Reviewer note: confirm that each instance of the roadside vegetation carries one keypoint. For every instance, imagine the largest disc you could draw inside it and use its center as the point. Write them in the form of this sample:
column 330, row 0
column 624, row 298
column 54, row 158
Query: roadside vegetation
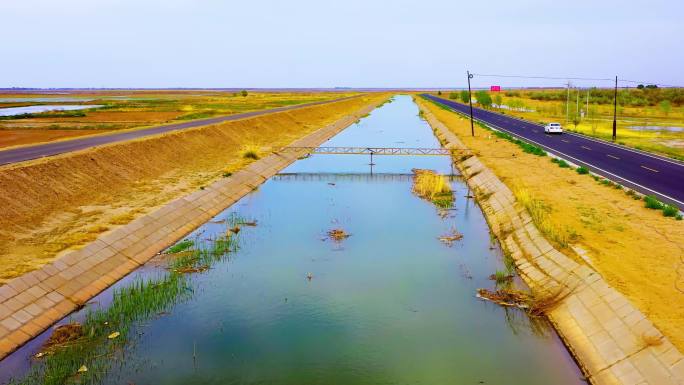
column 610, row 223
column 649, row 118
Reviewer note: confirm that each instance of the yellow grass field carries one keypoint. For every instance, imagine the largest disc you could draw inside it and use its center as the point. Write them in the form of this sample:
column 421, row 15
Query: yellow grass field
column 48, row 206
column 638, row 251
column 134, row 109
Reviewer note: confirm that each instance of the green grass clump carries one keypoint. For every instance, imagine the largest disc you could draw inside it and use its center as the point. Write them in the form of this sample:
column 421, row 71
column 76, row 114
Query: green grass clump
column 181, row 246
column 197, row 115
column 560, row 162
column 135, row 302
column 651, row 202
column 582, row 170
column 526, row 147
column 670, row 211
column 502, row 277
column 132, row 304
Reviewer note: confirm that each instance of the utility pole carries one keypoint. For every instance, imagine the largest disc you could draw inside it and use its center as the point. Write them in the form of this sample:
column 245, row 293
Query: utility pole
column 470, row 99
column 577, row 114
column 615, row 111
column 567, row 104
column 586, row 112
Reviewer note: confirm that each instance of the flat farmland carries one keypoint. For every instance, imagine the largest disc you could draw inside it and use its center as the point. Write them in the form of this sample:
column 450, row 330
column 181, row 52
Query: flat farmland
column 114, row 110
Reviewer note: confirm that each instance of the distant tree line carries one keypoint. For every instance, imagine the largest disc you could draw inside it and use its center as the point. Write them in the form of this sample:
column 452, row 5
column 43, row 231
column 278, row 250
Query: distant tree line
column 642, row 95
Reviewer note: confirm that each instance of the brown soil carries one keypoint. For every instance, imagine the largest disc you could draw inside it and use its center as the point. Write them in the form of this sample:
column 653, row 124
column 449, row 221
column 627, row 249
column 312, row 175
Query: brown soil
column 51, row 205
column 638, row 251
column 19, row 137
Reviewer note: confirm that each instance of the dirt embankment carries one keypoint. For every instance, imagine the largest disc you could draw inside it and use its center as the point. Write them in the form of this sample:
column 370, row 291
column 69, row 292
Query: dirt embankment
column 638, row 251
column 51, row 205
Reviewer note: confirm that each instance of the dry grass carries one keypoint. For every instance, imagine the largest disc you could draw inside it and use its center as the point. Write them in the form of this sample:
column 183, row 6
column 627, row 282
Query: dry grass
column 561, row 235
column 250, row 151
column 434, row 187
column 652, row 339
column 542, row 302
column 637, row 251
column 48, row 206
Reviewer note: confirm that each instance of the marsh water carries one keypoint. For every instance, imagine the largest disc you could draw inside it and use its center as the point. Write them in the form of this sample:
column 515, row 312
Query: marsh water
column 12, row 111
column 390, row 304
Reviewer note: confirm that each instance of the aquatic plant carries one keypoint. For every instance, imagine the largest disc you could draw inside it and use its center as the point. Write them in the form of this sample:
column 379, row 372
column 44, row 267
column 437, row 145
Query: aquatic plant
column 83, row 353
column 180, row 246
column 434, row 187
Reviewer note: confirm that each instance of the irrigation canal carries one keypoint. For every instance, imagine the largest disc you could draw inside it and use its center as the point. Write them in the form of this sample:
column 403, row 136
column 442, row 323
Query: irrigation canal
column 390, row 304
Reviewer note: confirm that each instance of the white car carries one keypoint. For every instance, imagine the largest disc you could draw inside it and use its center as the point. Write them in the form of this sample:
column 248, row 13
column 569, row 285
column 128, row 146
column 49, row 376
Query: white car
column 553, row 128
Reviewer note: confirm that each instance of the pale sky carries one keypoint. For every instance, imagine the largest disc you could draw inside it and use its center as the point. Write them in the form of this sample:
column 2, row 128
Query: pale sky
column 349, row 43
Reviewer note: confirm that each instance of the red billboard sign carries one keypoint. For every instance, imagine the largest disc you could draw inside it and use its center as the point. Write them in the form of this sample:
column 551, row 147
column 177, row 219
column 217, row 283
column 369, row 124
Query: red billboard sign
column 495, row 88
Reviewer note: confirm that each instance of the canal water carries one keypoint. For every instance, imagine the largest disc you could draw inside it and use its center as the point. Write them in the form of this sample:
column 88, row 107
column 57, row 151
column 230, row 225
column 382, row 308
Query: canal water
column 390, row 304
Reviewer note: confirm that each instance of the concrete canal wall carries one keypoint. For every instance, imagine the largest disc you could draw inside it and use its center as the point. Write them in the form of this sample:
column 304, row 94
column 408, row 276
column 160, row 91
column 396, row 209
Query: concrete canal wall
column 602, row 329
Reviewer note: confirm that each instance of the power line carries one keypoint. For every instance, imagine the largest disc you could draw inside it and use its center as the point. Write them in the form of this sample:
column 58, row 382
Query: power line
column 541, row 77
column 576, row 78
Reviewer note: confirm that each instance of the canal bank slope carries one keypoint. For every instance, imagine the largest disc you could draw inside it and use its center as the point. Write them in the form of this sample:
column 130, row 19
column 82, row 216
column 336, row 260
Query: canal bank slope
column 50, row 206
column 612, row 340
column 31, row 303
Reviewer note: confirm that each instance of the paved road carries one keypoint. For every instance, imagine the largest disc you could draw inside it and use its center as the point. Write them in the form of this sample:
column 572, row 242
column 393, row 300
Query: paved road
column 21, row 154
column 646, row 173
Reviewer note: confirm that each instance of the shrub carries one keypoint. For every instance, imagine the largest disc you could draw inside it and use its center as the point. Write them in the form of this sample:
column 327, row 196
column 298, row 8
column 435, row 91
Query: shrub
column 670, row 211
column 243, row 93
column 465, row 96
column 582, row 170
column 453, row 96
column 653, row 203
column 483, row 99
column 560, row 162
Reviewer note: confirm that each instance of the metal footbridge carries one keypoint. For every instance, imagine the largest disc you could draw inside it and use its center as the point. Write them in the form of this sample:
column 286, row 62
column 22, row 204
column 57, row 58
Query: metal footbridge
column 406, row 151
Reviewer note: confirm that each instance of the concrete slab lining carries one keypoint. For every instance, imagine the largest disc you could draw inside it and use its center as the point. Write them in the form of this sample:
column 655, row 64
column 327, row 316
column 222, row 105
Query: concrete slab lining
column 601, row 328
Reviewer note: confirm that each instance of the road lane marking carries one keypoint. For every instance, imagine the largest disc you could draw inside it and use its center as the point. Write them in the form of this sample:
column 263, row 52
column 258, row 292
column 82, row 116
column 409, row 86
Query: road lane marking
column 649, row 169
column 566, row 141
column 586, row 148
column 612, row 156
column 535, row 131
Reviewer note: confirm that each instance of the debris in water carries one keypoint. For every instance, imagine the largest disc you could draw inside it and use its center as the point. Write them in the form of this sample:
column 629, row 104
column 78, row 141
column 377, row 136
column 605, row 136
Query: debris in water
column 218, row 222
column 83, row 369
column 331, row 183
column 235, row 230
column 509, row 297
column 39, row 355
column 64, row 334
column 338, row 235
column 113, row 335
column 192, row 269
column 309, row 276
column 449, row 239
column 501, row 278
column 250, row 224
